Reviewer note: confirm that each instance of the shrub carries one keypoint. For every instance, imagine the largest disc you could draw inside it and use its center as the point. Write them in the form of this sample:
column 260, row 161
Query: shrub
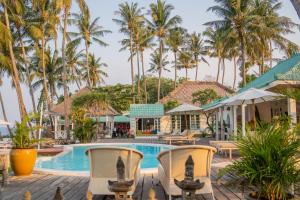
column 268, row 161
column 85, row 131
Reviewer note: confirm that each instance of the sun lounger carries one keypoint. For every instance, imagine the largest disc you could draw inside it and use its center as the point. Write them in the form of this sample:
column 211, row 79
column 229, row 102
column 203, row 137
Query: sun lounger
column 103, row 162
column 172, row 166
column 187, row 138
column 224, row 146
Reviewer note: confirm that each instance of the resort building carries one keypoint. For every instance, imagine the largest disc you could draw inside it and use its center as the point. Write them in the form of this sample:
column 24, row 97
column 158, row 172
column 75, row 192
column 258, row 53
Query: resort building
column 188, row 114
column 282, row 77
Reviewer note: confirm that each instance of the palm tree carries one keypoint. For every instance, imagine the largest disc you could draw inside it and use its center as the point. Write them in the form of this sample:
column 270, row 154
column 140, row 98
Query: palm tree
column 42, row 28
column 130, row 16
column 215, row 45
column 89, row 31
column 157, row 65
column 95, row 73
column 7, row 40
column 161, row 23
column 145, row 42
column 237, row 16
column 197, row 48
column 175, row 40
column 186, row 61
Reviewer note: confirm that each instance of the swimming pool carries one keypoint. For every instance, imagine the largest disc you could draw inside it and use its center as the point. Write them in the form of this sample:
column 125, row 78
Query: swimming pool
column 76, row 160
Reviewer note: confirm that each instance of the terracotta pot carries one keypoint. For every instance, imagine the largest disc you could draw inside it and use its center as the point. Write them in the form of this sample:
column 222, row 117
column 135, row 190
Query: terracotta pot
column 22, row 161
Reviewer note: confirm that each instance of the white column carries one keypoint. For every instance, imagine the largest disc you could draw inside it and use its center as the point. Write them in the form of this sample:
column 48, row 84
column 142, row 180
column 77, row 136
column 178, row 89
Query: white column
column 243, row 106
column 222, row 124
column 217, row 125
column 292, row 109
column 234, row 121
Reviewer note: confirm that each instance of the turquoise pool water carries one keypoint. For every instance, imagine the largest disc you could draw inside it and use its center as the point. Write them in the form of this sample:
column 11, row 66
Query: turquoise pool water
column 76, row 159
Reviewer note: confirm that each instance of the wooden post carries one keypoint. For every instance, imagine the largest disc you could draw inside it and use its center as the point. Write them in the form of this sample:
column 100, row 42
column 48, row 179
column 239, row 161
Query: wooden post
column 120, row 187
column 235, row 121
column 243, row 120
column 58, row 194
column 27, row 196
column 189, row 186
column 292, row 109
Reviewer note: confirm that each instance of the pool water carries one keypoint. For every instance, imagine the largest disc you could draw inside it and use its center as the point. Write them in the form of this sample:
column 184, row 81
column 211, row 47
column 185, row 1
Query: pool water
column 77, row 160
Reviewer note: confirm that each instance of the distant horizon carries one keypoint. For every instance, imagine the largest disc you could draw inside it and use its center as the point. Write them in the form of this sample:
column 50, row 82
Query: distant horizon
column 194, row 15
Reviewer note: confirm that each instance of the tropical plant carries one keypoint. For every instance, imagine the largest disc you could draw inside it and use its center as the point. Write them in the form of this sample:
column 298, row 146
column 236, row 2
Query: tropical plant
column 175, row 40
column 204, row 97
column 85, row 130
column 195, row 44
column 22, row 139
column 268, row 161
column 157, row 65
column 89, row 31
column 130, row 16
column 186, row 61
column 161, row 22
column 171, row 104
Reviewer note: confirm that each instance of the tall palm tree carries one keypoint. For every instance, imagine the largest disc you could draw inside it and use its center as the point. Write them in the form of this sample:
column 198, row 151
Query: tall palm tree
column 145, row 42
column 96, row 73
column 157, row 65
column 89, row 32
column 161, row 22
column 215, row 45
column 196, row 47
column 236, row 15
column 7, row 40
column 42, row 28
column 186, row 61
column 130, row 15
column 175, row 40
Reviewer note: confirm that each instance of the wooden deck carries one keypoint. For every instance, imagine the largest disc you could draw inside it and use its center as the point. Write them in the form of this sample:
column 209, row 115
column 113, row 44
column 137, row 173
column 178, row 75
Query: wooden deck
column 43, row 187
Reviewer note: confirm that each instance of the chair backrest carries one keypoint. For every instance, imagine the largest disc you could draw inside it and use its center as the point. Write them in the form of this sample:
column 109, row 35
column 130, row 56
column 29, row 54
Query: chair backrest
column 175, row 159
column 103, row 161
column 215, row 143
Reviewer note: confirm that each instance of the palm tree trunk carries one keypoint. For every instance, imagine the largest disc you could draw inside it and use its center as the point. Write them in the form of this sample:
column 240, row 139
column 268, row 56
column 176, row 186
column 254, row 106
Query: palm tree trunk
column 243, row 58
column 15, row 73
column 223, row 66
column 4, row 115
column 139, row 73
column 234, row 79
column 186, row 73
column 262, row 64
column 87, row 64
column 271, row 59
column 218, row 73
column 66, row 95
column 196, row 76
column 132, row 68
column 24, row 55
column 175, row 69
column 44, row 72
column 160, row 68
column 144, row 77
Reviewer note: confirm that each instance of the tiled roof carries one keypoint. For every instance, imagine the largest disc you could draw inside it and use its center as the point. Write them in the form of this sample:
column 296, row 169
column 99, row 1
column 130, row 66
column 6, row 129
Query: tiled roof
column 146, row 110
column 183, row 93
column 285, row 70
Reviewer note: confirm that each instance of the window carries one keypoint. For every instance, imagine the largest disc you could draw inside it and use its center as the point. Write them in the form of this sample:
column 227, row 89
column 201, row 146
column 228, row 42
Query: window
column 195, row 122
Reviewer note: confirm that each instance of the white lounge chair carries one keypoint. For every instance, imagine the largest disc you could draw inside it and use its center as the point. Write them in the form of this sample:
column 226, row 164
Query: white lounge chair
column 172, row 166
column 103, row 162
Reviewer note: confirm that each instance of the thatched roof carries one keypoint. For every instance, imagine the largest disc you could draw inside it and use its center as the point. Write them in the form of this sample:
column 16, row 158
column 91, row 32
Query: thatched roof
column 183, row 93
column 59, row 109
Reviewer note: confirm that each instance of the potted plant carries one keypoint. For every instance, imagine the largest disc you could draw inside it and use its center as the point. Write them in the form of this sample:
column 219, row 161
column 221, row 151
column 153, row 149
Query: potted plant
column 23, row 155
column 268, row 162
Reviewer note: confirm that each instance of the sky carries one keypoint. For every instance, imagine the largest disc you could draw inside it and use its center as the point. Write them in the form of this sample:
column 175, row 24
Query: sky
column 193, row 13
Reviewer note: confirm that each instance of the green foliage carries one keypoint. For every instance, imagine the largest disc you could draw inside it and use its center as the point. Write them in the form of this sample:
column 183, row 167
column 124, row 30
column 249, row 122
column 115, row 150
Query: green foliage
column 268, row 160
column 293, row 93
column 118, row 96
column 171, row 104
column 21, row 139
column 91, row 99
column 204, row 96
column 85, row 130
column 167, row 85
